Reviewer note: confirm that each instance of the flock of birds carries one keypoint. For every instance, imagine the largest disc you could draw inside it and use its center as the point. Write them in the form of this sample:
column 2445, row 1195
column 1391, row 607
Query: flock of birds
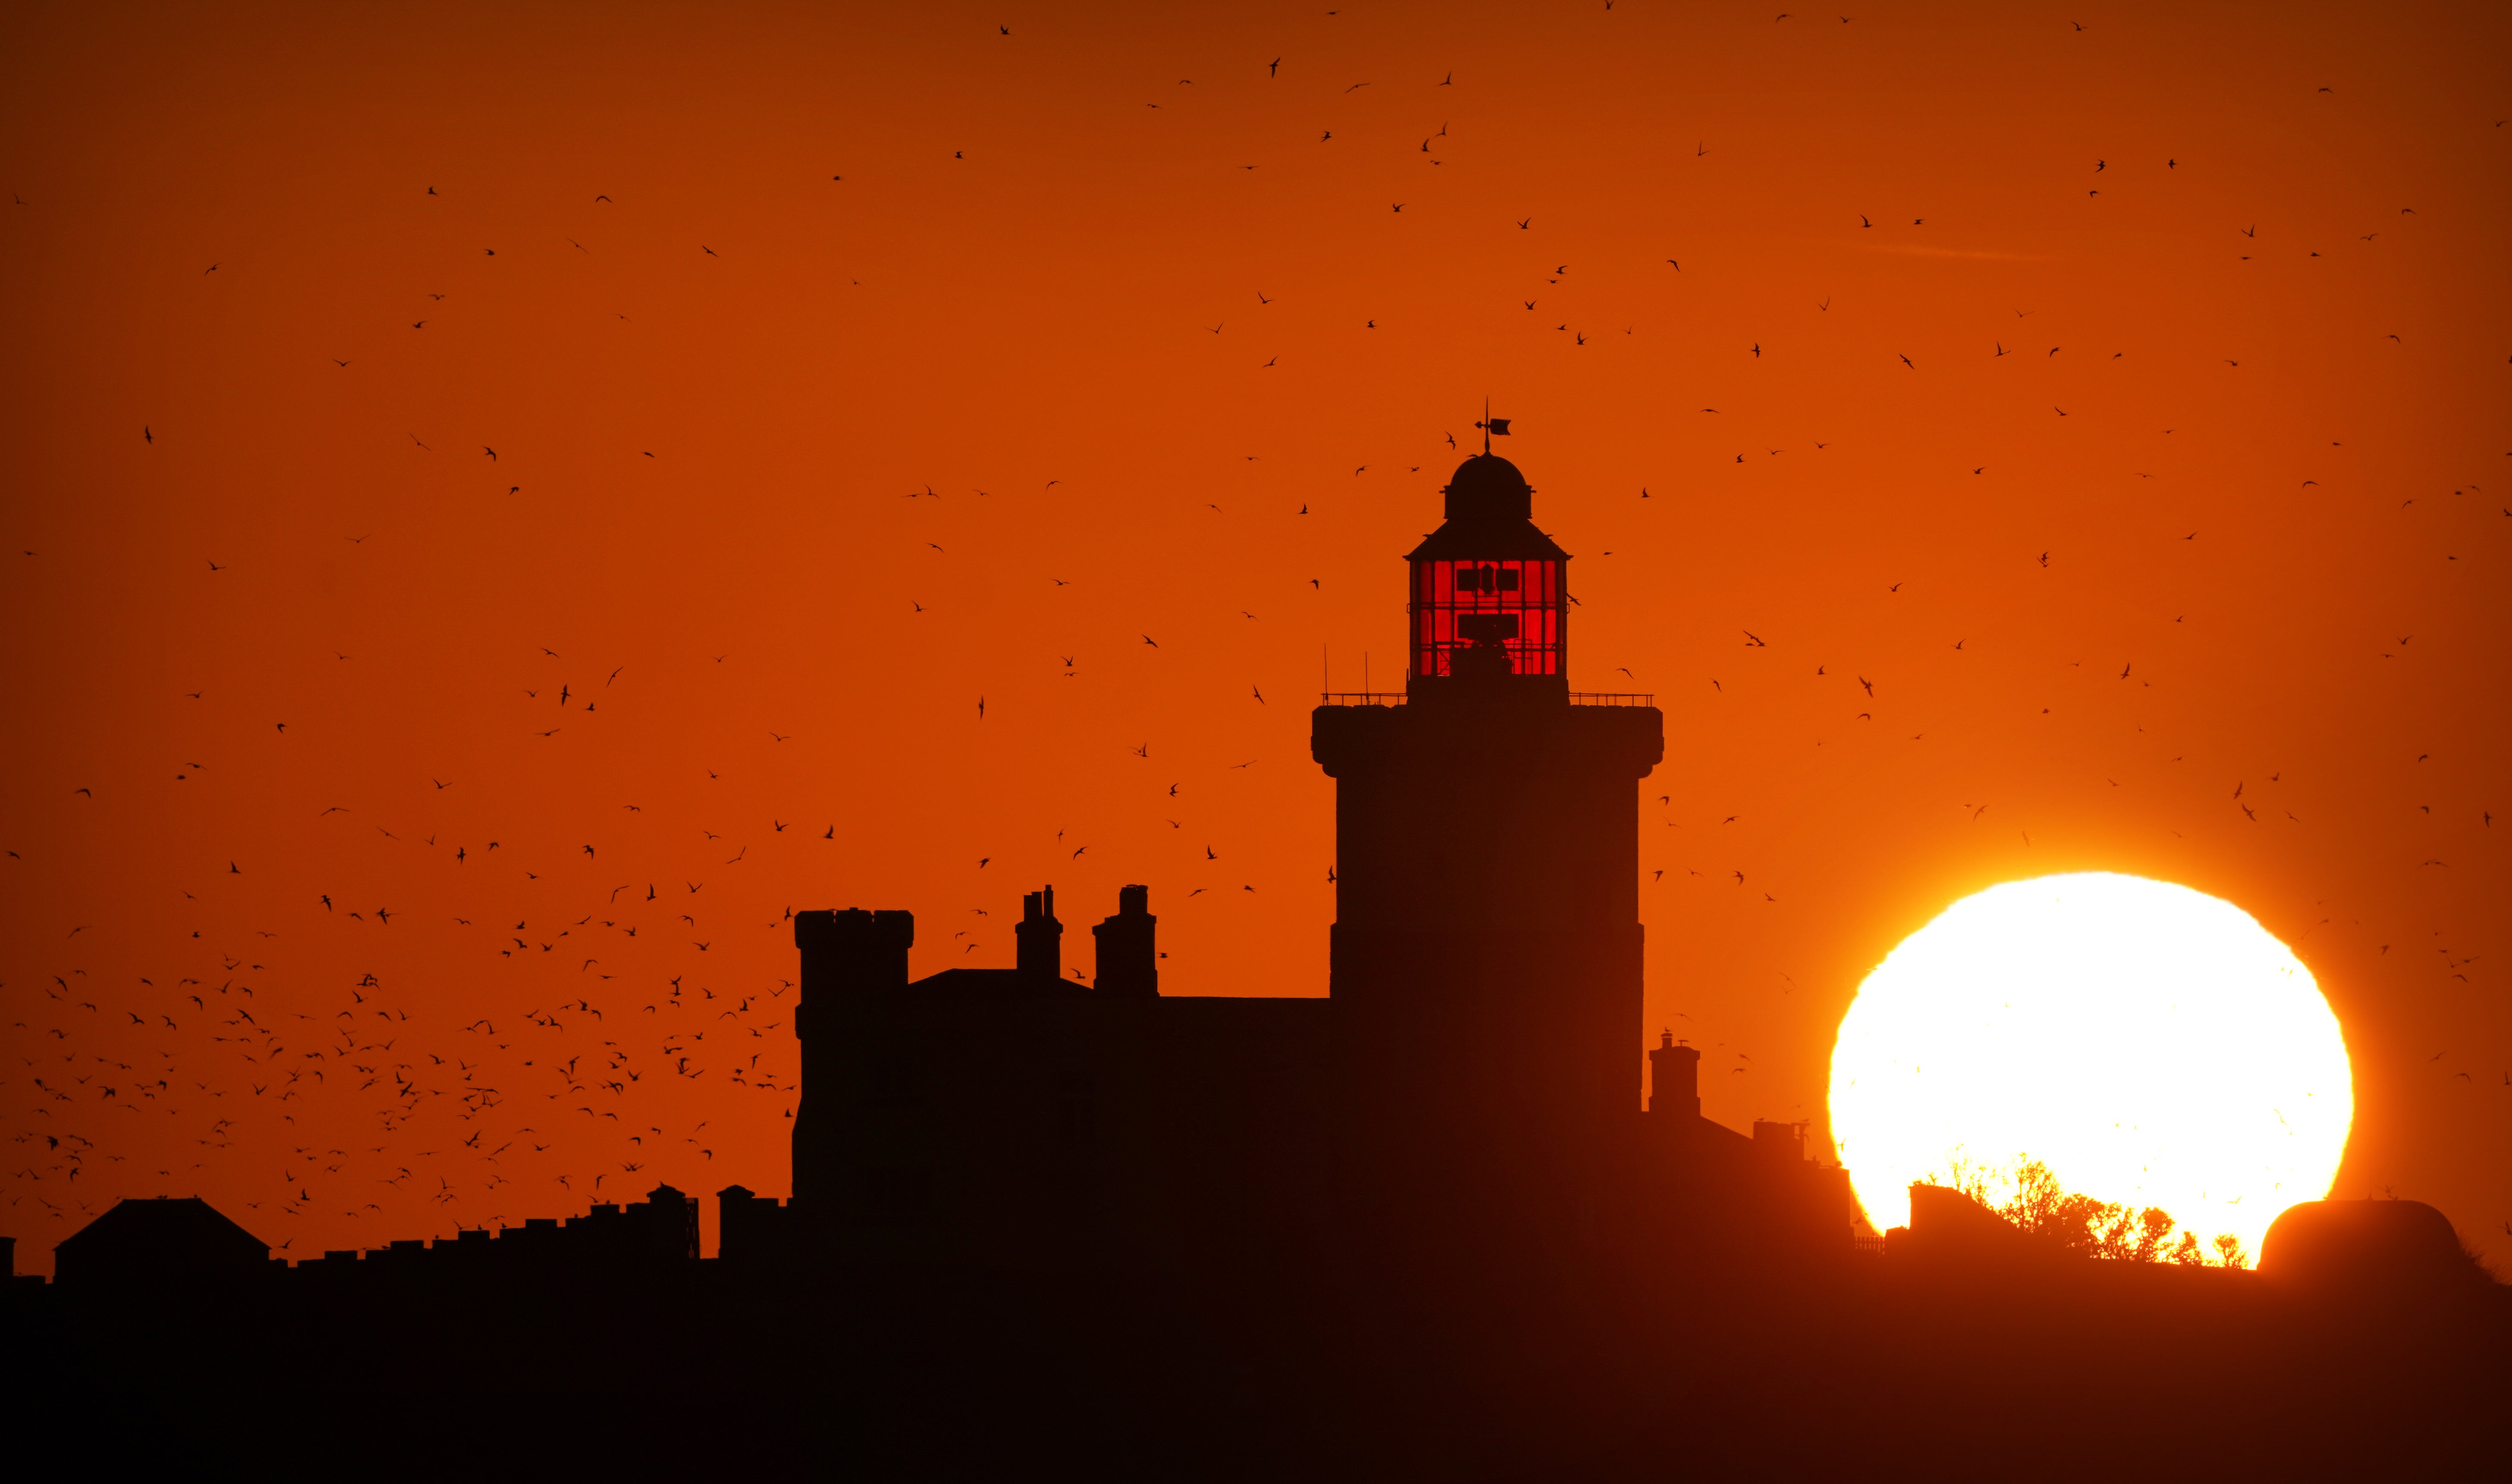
column 367, row 1098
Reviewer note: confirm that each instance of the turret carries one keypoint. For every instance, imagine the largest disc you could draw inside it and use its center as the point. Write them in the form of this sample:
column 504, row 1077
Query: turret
column 852, row 961
column 850, row 952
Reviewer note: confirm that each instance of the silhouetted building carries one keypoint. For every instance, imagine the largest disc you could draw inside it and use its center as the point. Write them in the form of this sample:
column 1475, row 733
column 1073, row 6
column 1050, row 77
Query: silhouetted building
column 1019, row 1117
column 753, row 1228
column 1950, row 1229
column 1471, row 1079
column 2372, row 1247
column 165, row 1242
column 159, row 1243
column 661, row 1228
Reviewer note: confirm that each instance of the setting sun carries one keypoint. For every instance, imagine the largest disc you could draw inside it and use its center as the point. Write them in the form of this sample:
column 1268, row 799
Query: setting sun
column 2152, row 1045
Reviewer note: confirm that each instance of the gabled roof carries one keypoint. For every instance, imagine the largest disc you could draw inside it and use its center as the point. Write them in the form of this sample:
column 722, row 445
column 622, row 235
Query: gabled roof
column 170, row 1231
column 997, row 984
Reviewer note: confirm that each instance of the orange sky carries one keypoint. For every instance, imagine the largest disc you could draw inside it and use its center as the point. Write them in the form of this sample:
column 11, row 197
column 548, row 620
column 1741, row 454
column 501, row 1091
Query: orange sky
column 1104, row 289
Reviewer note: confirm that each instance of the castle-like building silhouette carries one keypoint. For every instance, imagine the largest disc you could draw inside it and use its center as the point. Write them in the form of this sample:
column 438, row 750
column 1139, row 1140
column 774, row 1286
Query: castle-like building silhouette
column 1471, row 1080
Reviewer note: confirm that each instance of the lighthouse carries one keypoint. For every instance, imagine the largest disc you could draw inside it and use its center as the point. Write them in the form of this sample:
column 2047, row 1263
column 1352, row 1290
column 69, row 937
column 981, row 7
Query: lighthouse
column 1486, row 956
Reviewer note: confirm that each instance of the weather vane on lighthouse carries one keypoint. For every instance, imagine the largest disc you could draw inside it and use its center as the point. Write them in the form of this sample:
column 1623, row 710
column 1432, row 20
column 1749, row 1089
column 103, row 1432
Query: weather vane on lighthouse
column 1491, row 426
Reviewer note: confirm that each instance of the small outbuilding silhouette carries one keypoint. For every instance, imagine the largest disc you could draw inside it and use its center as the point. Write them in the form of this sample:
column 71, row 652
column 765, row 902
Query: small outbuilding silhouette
column 150, row 1243
column 2367, row 1245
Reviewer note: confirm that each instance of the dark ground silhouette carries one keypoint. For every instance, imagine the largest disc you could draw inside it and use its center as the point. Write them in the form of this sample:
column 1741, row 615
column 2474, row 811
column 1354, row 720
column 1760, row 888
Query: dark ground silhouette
column 1705, row 1363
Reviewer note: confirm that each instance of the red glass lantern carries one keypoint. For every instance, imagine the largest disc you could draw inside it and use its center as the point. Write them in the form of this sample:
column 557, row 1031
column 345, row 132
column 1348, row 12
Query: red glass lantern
column 1490, row 600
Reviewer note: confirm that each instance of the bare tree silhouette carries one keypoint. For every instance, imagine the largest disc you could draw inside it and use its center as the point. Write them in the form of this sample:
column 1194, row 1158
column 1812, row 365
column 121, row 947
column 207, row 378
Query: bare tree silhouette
column 2033, row 1200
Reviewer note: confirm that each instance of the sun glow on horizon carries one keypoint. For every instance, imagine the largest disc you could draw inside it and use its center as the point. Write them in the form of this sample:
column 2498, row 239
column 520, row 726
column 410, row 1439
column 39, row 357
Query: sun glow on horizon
column 2152, row 1045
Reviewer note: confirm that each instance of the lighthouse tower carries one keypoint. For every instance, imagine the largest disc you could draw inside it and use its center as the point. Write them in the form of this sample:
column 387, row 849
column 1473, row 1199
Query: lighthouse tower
column 1486, row 952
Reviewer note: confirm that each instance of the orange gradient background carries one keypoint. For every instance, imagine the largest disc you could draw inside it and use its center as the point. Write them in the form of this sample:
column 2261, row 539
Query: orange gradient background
column 2206, row 529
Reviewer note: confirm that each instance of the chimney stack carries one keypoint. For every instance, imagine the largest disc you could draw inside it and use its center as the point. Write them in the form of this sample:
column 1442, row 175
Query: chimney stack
column 1040, row 937
column 1129, row 957
column 1674, row 1078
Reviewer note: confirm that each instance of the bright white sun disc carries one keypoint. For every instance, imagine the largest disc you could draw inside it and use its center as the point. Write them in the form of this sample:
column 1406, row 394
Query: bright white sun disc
column 2152, row 1045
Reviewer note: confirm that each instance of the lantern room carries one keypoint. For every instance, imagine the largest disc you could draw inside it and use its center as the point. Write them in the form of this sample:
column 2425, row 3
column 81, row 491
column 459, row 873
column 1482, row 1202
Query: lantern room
column 1489, row 601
